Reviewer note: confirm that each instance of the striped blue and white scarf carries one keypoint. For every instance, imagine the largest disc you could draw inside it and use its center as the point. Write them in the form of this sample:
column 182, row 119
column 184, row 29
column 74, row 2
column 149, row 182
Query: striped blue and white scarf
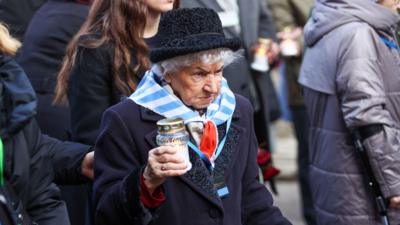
column 151, row 95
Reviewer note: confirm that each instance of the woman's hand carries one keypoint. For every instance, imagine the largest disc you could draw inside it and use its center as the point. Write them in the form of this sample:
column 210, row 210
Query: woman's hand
column 163, row 162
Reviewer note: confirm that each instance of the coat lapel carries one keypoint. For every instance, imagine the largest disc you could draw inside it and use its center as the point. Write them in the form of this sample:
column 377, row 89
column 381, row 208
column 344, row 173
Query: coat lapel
column 224, row 163
column 199, row 178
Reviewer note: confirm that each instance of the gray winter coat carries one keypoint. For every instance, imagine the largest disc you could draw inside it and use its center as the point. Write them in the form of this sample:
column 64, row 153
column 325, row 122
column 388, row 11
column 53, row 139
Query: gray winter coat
column 351, row 79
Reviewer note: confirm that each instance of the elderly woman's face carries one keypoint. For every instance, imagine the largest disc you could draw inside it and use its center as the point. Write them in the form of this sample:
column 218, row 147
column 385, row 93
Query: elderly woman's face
column 198, row 85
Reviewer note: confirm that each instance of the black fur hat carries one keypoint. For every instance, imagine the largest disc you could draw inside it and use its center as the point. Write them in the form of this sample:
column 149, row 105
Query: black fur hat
column 185, row 31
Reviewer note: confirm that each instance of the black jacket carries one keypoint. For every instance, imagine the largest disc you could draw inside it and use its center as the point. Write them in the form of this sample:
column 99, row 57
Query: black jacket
column 33, row 160
column 91, row 88
column 91, row 91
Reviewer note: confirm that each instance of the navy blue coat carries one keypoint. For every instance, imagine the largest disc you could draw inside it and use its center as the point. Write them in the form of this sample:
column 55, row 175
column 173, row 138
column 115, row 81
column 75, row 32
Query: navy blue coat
column 128, row 132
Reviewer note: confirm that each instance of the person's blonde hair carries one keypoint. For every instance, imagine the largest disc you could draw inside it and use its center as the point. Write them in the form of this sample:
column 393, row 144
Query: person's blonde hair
column 8, row 44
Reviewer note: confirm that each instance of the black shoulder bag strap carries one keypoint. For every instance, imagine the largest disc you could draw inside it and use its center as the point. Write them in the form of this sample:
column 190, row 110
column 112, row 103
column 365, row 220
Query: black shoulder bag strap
column 358, row 135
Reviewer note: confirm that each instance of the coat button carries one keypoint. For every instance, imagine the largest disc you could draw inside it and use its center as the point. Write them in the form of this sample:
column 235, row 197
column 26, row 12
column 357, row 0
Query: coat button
column 213, row 213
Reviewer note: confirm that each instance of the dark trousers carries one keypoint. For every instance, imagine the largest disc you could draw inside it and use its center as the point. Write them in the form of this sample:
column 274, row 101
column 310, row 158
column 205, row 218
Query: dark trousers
column 300, row 122
column 77, row 199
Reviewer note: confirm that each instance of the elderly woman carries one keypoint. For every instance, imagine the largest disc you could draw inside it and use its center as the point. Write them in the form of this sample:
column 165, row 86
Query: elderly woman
column 140, row 183
column 351, row 77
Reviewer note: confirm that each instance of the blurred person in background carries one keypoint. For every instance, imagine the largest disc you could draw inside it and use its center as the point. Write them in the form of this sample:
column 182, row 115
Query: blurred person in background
column 41, row 55
column 140, row 183
column 16, row 14
column 290, row 16
column 249, row 20
column 350, row 75
column 31, row 161
column 106, row 59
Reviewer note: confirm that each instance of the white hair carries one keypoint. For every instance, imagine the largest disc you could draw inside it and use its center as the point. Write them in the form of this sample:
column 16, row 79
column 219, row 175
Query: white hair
column 225, row 55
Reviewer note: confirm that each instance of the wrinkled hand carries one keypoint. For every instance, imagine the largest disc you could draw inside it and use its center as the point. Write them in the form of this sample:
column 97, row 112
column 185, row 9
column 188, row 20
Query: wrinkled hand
column 87, row 165
column 394, row 202
column 163, row 162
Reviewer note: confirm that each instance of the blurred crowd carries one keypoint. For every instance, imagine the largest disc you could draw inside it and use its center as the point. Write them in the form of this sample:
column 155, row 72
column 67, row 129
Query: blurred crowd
column 67, row 67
